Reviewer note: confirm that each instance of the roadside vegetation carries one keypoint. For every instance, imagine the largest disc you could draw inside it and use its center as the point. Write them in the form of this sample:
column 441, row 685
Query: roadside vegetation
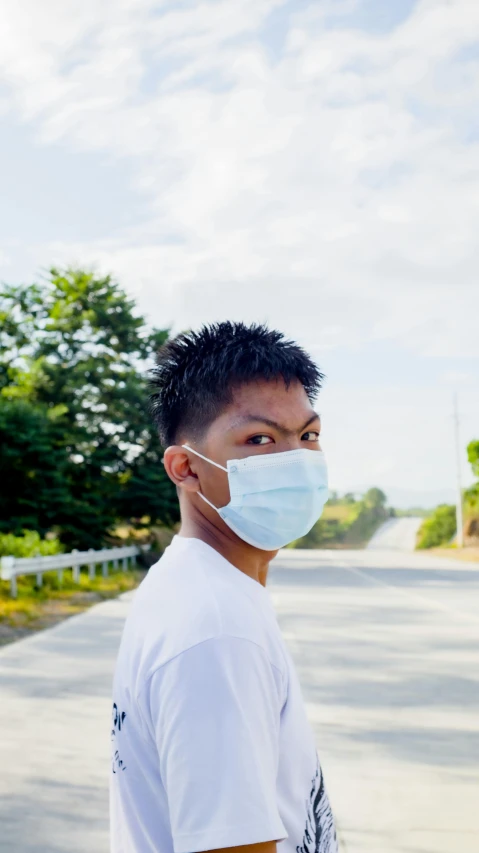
column 347, row 521
column 416, row 511
column 59, row 596
column 439, row 529
column 37, row 608
column 29, row 544
column 78, row 450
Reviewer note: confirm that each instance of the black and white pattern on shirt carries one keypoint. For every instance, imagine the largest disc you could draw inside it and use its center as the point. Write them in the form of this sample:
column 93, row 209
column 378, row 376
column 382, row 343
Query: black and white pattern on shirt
column 118, row 718
column 319, row 834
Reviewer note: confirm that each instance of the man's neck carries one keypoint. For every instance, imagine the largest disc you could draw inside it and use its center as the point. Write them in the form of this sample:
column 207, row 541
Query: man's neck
column 252, row 561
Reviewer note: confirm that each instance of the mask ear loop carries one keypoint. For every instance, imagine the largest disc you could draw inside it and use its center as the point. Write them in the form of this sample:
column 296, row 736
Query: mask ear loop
column 187, row 447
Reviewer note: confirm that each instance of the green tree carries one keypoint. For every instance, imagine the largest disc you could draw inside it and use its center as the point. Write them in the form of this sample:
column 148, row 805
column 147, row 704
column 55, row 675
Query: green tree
column 471, row 495
column 439, row 528
column 372, row 513
column 77, row 347
column 375, row 498
column 471, row 500
column 473, row 456
column 353, row 527
column 34, row 468
column 147, row 490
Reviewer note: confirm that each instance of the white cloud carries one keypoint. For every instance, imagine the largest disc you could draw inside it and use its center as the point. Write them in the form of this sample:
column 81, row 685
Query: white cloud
column 342, row 171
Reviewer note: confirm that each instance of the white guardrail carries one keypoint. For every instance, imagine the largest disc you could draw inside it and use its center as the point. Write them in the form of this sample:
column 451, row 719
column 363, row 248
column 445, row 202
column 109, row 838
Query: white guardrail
column 12, row 567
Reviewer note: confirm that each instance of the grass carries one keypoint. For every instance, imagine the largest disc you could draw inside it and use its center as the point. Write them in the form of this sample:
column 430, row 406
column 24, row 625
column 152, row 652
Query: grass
column 38, row 608
column 343, row 513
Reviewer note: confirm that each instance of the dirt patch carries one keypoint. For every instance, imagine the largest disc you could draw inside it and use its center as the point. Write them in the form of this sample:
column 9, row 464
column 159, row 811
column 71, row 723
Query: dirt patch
column 50, row 613
column 470, row 555
column 9, row 633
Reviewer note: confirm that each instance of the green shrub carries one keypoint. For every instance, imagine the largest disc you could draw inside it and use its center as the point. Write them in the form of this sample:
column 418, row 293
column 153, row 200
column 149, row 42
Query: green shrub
column 439, row 528
column 471, row 501
column 28, row 545
column 347, row 521
column 326, row 532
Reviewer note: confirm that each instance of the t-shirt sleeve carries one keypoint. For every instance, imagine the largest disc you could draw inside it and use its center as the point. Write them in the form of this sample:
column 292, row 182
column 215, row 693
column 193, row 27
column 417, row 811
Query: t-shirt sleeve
column 215, row 714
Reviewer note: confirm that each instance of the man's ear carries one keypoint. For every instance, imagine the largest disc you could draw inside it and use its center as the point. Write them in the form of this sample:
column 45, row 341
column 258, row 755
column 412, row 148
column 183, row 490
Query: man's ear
column 177, row 466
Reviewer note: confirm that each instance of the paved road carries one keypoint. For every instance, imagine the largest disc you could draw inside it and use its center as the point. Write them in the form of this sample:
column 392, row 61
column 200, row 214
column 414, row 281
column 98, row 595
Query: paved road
column 387, row 648
column 396, row 534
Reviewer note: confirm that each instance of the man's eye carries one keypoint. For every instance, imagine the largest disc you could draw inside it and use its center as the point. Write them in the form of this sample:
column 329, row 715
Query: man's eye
column 260, row 439
column 312, row 435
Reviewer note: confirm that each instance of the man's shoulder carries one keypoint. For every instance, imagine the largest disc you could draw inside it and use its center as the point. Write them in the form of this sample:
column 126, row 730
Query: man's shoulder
column 172, row 610
column 181, row 604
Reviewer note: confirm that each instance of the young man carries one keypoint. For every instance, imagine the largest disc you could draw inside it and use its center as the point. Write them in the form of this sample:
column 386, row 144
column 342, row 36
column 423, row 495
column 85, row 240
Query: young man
column 211, row 745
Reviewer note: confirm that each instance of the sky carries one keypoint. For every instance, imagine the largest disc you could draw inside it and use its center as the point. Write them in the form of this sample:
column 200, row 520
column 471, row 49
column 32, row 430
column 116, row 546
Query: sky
column 313, row 165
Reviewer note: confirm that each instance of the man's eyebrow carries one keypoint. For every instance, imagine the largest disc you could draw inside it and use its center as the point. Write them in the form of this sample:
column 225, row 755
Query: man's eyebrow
column 314, row 417
column 260, row 419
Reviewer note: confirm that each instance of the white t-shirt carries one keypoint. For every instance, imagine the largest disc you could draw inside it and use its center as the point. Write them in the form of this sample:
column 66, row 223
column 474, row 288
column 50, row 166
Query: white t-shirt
column 211, row 746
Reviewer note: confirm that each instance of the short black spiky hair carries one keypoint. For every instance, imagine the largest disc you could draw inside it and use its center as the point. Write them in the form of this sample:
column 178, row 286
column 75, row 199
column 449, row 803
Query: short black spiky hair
column 196, row 373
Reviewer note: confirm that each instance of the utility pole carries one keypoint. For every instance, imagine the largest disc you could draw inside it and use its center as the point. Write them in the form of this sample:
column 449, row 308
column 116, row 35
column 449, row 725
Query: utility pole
column 459, row 518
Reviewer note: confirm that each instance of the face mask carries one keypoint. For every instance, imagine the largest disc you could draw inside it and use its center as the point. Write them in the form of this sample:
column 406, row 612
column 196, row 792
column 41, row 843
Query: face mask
column 275, row 498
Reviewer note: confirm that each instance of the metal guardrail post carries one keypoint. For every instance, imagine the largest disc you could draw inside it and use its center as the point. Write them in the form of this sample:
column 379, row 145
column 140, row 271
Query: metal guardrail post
column 7, row 568
column 39, row 579
column 104, row 568
column 75, row 569
column 91, row 568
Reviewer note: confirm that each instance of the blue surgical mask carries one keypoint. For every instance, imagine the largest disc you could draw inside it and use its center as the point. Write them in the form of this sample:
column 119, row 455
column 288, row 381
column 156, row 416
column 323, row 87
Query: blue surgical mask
column 275, row 497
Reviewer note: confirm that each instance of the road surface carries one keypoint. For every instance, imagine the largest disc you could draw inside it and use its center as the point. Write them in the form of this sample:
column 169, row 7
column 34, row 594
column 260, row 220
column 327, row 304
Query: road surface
column 396, row 534
column 387, row 649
